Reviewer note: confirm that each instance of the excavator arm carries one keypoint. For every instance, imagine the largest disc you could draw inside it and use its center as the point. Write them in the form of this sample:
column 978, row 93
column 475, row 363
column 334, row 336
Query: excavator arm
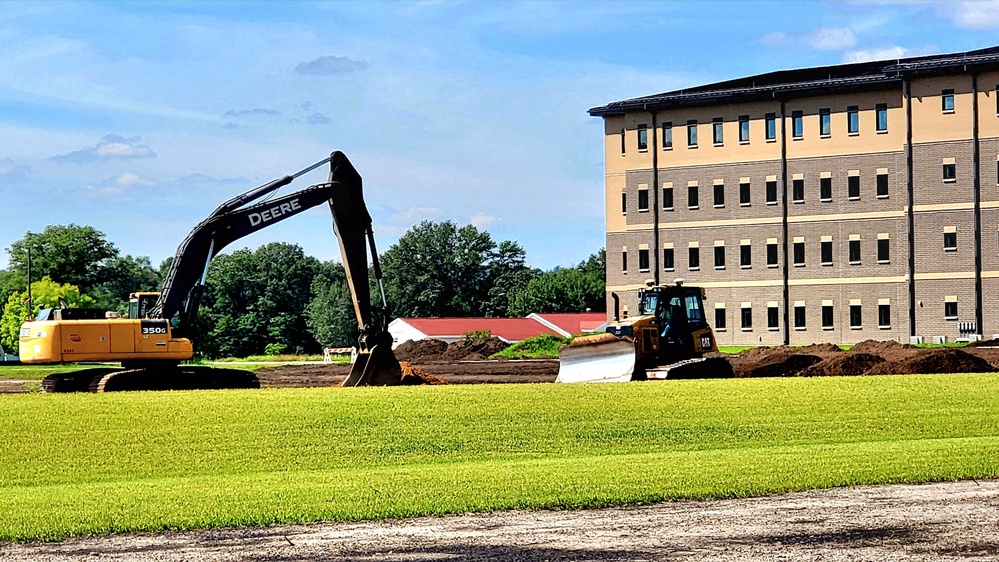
column 181, row 293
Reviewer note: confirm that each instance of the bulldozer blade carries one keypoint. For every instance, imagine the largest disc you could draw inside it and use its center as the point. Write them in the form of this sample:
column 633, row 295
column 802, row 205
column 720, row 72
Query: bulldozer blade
column 377, row 367
column 605, row 360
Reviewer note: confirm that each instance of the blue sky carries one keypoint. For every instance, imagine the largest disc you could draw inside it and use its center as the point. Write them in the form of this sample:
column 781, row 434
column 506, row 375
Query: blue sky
column 139, row 118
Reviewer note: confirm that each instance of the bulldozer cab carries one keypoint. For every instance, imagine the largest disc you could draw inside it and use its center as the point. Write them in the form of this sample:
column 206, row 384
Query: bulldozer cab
column 678, row 312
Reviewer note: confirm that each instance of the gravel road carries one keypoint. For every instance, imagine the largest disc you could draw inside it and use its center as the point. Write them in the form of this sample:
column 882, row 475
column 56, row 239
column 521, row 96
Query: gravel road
column 939, row 522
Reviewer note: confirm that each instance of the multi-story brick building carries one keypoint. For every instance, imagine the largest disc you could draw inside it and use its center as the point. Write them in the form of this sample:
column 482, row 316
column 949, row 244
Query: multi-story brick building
column 839, row 203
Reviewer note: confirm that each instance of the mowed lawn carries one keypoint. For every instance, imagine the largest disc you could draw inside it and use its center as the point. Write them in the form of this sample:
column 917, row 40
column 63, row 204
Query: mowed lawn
column 82, row 464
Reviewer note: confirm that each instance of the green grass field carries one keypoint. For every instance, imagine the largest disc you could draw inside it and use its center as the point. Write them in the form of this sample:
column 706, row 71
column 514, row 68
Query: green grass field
column 83, row 464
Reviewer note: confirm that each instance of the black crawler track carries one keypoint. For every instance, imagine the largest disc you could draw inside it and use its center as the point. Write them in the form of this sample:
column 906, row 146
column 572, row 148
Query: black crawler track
column 149, row 378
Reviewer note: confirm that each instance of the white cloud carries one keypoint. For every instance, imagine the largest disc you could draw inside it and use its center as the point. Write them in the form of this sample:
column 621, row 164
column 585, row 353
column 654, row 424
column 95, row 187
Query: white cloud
column 12, row 172
column 330, row 65
column 832, row 38
column 888, row 53
column 776, row 39
column 111, row 147
column 120, row 183
column 416, row 215
column 982, row 14
column 483, row 221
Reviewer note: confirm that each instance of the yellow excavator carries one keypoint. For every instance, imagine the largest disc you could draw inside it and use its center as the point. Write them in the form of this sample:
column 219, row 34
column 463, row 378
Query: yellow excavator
column 159, row 333
column 667, row 340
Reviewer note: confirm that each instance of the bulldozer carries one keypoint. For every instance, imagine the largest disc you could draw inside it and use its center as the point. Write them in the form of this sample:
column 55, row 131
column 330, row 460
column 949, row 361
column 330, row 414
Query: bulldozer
column 666, row 340
column 158, row 335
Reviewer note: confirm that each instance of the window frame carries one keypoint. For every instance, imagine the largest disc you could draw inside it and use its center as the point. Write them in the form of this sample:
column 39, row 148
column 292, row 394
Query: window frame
column 825, row 189
column 949, row 173
column 884, row 316
column 718, row 195
column 693, row 258
column 825, row 123
column 669, row 259
column 950, row 241
column 947, row 101
column 853, row 120
column 746, row 318
column 643, row 193
column 643, row 256
column 773, row 318
column 830, row 322
column 624, row 261
column 624, row 202
column 743, row 129
column 853, row 252
column 881, row 182
column 745, row 256
column 798, row 251
column 720, row 320
column 856, row 313
column 881, row 118
column 950, row 310
column 770, row 127
column 773, row 252
column 624, row 148
column 826, row 252
column 693, row 199
column 800, row 316
column 718, row 131
column 642, row 140
column 884, row 250
column 769, row 185
column 745, row 194
column 667, row 135
column 719, row 257
column 797, row 125
column 692, row 133
column 798, row 190
column 667, row 198
column 850, row 181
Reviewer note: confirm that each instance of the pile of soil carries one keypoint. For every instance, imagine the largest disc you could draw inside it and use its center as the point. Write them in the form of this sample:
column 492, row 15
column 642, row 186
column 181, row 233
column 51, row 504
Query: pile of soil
column 941, row 360
column 430, row 350
column 865, row 358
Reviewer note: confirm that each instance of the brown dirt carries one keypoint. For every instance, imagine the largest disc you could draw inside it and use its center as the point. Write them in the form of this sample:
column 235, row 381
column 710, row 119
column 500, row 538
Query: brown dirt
column 942, row 360
column 430, row 350
column 491, row 372
column 413, row 375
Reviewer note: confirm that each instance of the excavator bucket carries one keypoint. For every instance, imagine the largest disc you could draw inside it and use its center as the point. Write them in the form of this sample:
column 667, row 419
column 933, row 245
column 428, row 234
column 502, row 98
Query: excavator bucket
column 377, row 367
column 601, row 358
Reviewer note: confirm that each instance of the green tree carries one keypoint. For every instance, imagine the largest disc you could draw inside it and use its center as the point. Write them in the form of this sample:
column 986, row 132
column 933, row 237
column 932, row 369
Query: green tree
column 259, row 298
column 560, row 290
column 438, row 269
column 45, row 293
column 509, row 275
column 330, row 314
column 66, row 253
column 595, row 265
column 124, row 275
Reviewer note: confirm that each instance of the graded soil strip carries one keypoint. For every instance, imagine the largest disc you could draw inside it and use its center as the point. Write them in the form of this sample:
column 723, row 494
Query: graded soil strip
column 938, row 522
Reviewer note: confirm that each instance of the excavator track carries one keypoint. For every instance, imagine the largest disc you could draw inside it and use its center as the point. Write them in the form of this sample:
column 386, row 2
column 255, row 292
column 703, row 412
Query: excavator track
column 150, row 378
column 697, row 368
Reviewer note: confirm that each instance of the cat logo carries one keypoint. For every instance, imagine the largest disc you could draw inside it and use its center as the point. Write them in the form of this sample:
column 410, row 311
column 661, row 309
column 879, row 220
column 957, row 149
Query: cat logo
column 75, row 337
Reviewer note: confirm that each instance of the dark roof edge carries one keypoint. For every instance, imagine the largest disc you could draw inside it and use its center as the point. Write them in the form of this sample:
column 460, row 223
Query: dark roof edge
column 867, row 76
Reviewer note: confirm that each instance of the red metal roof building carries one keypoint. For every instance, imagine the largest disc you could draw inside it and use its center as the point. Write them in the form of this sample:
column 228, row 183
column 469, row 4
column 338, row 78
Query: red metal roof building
column 510, row 330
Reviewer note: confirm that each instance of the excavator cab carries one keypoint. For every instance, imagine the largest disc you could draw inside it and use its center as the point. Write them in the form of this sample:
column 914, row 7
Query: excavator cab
column 141, row 304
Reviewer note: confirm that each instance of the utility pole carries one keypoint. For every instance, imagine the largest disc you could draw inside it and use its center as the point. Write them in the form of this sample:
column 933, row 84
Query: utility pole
column 30, row 307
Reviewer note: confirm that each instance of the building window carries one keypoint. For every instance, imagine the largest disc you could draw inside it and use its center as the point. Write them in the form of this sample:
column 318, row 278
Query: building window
column 856, row 317
column 692, row 133
column 693, row 258
column 826, row 252
column 854, row 252
column 852, row 120
column 827, row 317
column 772, row 192
column 825, row 126
column 947, row 101
column 624, row 262
column 668, row 264
column 853, row 187
column 825, row 189
column 745, row 256
column 643, row 260
column 773, row 318
column 744, row 194
column 743, row 128
column 691, row 196
column 622, row 142
column 771, row 126
column 884, row 250
column 950, row 172
column 881, row 117
column 798, row 191
column 719, row 319
column 643, row 200
column 717, row 131
column 798, row 254
column 799, row 317
column 950, row 310
column 624, row 203
column 884, row 316
column 719, row 192
column 772, row 254
column 950, row 241
column 797, row 124
column 667, row 135
column 747, row 318
column 719, row 257
column 643, row 138
column 668, row 198
column 882, row 186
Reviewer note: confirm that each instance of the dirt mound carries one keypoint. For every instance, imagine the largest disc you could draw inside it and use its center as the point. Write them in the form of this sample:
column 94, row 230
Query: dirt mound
column 473, row 349
column 843, row 365
column 941, row 360
column 421, row 351
column 985, row 343
column 782, row 362
column 889, row 350
column 819, row 349
column 414, row 376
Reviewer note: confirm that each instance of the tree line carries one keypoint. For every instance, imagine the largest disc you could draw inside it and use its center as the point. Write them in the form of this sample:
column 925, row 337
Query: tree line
column 276, row 299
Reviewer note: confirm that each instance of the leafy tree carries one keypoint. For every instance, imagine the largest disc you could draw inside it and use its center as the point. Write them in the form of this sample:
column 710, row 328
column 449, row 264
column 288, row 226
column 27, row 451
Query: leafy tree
column 122, row 276
column 595, row 265
column 438, row 269
column 508, row 276
column 66, row 253
column 259, row 298
column 560, row 290
column 44, row 294
column 330, row 314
